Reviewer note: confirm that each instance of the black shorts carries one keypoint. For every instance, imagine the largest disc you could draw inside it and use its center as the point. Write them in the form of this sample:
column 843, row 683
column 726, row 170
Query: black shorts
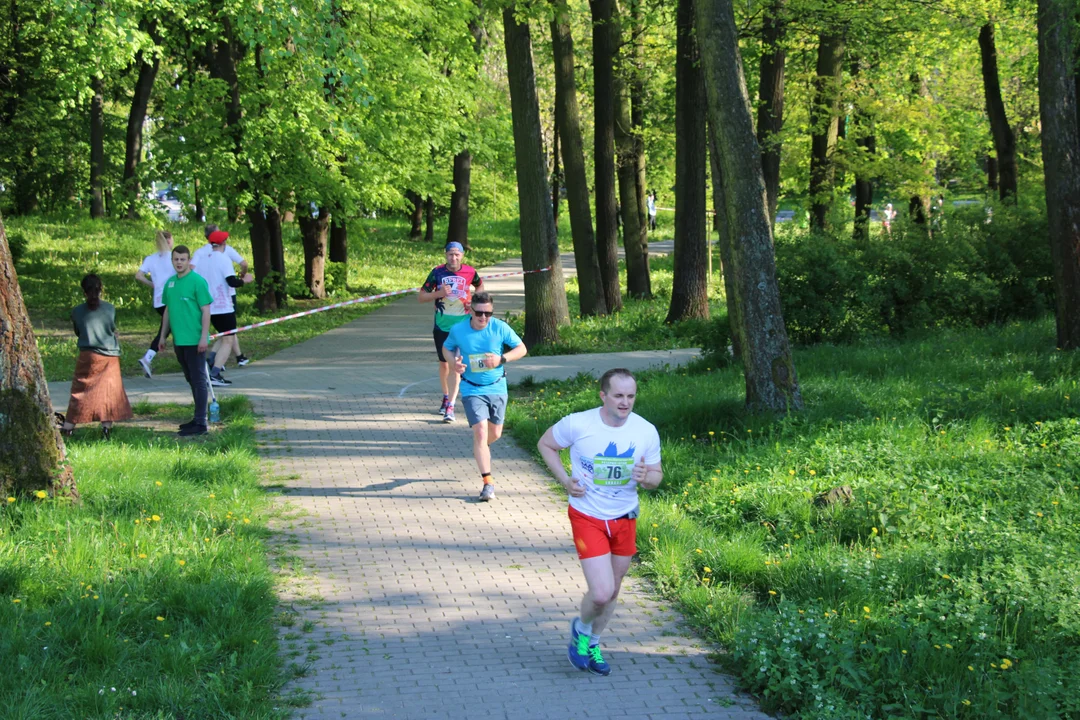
column 223, row 322
column 440, row 340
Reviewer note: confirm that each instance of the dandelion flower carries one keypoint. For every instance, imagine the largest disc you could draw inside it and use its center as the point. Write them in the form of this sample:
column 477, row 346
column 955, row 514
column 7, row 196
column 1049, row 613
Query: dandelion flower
column 48, row 623
column 142, row 556
column 158, row 483
column 155, row 518
column 865, row 609
column 11, row 499
column 16, row 601
column 813, row 472
column 707, row 569
column 41, row 494
column 948, row 646
column 946, row 577
column 181, row 562
column 790, row 472
column 971, row 668
column 903, row 652
column 966, row 701
column 711, row 432
column 160, row 619
column 772, row 592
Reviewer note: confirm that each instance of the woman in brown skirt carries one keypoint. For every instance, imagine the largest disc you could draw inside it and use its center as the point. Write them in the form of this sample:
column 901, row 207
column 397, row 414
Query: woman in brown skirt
column 97, row 390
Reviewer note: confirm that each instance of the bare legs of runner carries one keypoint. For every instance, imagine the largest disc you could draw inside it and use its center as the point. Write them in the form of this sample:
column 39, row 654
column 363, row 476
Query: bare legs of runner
column 604, row 575
column 484, row 433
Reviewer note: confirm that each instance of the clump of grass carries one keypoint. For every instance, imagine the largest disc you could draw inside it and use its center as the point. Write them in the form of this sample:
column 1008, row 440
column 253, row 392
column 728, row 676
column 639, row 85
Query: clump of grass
column 949, row 586
column 59, row 252
column 154, row 594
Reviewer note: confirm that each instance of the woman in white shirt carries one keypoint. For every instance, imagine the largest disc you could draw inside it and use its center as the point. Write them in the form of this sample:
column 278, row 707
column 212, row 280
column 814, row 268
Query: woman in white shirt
column 159, row 267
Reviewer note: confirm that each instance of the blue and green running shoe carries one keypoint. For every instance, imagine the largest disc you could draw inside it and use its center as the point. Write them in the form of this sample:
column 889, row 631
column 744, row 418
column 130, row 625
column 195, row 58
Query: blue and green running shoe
column 578, row 649
column 597, row 664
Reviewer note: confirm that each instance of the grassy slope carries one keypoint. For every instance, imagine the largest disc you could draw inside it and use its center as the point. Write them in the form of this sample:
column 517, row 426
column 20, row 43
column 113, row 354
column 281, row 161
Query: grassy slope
column 950, row 587
column 60, row 253
column 153, row 598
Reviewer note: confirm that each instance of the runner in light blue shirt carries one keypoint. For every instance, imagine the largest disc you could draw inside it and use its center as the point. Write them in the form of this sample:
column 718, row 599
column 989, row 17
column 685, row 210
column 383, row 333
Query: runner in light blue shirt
column 480, row 348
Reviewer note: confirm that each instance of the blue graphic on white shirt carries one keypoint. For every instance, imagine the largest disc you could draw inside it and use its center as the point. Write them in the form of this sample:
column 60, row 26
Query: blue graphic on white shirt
column 611, row 450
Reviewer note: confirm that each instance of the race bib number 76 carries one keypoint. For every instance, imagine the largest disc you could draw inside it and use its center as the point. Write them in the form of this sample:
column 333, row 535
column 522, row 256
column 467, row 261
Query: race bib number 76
column 612, row 470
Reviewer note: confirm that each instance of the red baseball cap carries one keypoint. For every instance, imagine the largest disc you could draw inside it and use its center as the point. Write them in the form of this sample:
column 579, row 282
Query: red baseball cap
column 218, row 237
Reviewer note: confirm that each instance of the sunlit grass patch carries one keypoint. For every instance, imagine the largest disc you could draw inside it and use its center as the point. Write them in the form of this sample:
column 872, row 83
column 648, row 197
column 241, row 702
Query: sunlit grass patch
column 151, row 598
column 957, row 548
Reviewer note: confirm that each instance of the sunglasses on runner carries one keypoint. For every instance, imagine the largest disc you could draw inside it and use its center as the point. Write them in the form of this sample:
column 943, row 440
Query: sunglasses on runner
column 483, row 313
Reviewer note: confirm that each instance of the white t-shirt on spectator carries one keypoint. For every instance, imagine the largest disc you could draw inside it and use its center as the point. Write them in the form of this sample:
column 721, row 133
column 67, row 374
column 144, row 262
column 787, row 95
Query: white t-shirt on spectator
column 601, row 458
column 160, row 268
column 214, row 268
column 208, row 249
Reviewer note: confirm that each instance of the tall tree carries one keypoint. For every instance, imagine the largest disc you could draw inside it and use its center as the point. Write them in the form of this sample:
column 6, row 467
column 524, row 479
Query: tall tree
column 1004, row 139
column 825, row 127
column 32, row 454
column 568, row 121
column 97, row 148
column 771, row 382
column 545, row 292
column 339, row 238
column 605, row 45
column 1059, row 108
column 690, row 284
column 637, row 122
column 133, row 144
column 866, row 142
column 770, row 119
column 313, row 233
column 724, row 244
column 635, row 232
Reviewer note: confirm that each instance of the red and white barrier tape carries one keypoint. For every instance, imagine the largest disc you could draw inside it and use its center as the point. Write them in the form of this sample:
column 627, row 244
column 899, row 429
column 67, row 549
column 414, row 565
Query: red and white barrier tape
column 369, row 298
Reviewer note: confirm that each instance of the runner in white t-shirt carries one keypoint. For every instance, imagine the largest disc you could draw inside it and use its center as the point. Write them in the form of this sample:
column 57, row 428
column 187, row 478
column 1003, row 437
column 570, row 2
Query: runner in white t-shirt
column 613, row 452
column 217, row 269
column 234, row 257
column 160, row 268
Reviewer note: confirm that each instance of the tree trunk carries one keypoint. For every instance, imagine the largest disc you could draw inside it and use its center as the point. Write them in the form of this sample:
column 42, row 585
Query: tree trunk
column 313, row 232
column 568, row 120
column 1059, row 108
column 919, row 210
column 724, row 243
column 339, row 238
column 545, row 293
column 635, row 239
column 690, row 282
column 992, row 173
column 824, row 127
column 416, row 219
column 266, row 300
column 277, row 255
column 32, row 454
column 771, row 381
column 607, row 225
column 1004, row 139
column 97, row 148
column 864, row 184
column 770, row 119
column 429, row 223
column 133, row 143
column 200, row 213
column 458, row 227
column 637, row 124
column 556, row 182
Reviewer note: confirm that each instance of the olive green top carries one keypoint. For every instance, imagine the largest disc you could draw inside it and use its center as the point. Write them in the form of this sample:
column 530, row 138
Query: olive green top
column 97, row 329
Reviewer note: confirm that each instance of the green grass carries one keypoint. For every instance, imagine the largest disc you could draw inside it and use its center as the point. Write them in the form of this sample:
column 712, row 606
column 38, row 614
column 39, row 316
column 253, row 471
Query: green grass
column 59, row 253
column 153, row 597
column 949, row 587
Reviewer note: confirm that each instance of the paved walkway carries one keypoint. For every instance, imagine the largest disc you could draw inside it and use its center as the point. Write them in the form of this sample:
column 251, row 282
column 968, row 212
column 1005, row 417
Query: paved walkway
column 415, row 600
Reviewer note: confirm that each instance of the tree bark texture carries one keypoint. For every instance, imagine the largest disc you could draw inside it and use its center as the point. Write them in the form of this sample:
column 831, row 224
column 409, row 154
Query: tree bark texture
column 771, row 381
column 97, row 149
column 545, row 292
column 637, row 120
column 32, row 453
column 277, row 254
column 864, row 185
column 266, row 298
column 690, row 282
column 724, row 241
column 605, row 44
column 635, row 232
column 568, row 121
column 458, row 228
column 429, row 219
column 770, row 118
column 556, row 177
column 339, row 238
column 1004, row 139
column 1059, row 108
column 133, row 141
column 313, row 232
column 416, row 219
column 824, row 127
column 992, row 173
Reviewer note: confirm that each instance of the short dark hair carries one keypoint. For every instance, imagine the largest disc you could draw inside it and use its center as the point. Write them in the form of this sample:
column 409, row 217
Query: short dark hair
column 605, row 379
column 210, row 229
column 181, row 250
column 482, row 298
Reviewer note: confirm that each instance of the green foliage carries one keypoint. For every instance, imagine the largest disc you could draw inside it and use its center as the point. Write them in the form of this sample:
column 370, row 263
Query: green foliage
column 836, row 289
column 59, row 252
column 957, row 551
column 154, row 594
column 17, row 247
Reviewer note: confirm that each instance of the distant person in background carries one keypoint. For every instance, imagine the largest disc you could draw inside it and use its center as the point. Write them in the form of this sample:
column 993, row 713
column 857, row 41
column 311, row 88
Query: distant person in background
column 236, row 258
column 159, row 267
column 97, row 390
column 217, row 269
column 650, row 203
column 887, row 218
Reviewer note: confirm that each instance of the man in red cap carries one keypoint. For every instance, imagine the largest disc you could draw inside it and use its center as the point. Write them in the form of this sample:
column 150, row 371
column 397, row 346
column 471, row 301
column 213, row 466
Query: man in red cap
column 217, row 269
column 234, row 257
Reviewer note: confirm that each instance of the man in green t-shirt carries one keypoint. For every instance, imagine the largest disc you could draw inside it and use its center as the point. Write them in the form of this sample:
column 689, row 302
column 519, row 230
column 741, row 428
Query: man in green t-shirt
column 187, row 312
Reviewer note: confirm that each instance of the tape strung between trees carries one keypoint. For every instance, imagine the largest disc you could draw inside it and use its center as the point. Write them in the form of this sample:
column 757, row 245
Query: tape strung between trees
column 356, row 301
